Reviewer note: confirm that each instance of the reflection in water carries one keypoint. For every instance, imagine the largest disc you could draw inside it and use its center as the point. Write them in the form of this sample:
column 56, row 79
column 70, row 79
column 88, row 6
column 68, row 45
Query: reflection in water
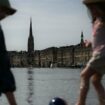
column 30, row 86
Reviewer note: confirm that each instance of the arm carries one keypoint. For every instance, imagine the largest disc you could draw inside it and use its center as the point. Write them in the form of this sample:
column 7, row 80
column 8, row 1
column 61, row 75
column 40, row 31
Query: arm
column 87, row 43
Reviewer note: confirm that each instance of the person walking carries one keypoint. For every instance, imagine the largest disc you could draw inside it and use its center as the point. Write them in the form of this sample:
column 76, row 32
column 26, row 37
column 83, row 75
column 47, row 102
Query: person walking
column 95, row 68
column 7, row 81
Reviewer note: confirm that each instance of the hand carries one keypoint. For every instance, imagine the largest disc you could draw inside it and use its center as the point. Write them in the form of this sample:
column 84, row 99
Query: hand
column 87, row 43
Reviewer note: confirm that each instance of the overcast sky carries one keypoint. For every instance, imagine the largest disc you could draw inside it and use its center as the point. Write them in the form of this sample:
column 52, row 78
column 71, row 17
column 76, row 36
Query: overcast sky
column 55, row 23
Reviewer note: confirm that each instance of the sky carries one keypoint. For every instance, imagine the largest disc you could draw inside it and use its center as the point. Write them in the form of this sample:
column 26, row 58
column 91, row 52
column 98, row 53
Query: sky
column 55, row 23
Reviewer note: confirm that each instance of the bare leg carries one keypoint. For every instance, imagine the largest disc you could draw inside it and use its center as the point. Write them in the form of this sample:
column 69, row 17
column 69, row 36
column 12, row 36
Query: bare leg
column 96, row 79
column 11, row 98
column 84, row 85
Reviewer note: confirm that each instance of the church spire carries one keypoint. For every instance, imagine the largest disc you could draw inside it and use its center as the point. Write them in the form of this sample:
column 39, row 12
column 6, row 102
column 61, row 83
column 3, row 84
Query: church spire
column 82, row 39
column 30, row 27
column 30, row 39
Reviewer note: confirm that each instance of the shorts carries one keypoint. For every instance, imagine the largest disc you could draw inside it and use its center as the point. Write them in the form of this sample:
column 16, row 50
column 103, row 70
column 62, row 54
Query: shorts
column 97, row 63
column 7, row 82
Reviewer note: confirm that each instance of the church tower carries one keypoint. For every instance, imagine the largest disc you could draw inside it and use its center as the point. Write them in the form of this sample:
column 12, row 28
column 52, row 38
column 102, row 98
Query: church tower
column 30, row 40
column 82, row 39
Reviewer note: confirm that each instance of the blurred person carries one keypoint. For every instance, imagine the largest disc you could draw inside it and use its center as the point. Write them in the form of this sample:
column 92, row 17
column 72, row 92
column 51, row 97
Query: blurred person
column 95, row 68
column 7, row 82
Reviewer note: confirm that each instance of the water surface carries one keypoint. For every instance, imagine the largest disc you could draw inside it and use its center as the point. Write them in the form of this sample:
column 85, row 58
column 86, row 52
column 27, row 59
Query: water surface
column 47, row 83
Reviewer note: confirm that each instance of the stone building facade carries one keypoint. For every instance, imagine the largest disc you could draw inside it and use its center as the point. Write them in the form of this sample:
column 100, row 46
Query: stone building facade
column 67, row 56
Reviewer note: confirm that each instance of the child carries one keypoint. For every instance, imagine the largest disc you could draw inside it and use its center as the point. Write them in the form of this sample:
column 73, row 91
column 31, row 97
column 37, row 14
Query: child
column 95, row 68
column 7, row 82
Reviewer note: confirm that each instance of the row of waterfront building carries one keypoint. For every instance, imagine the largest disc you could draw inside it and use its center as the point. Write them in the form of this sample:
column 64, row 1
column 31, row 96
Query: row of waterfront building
column 66, row 56
column 69, row 56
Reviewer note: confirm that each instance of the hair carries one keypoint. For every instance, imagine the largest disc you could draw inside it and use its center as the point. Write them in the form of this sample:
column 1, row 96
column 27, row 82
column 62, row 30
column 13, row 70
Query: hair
column 99, row 6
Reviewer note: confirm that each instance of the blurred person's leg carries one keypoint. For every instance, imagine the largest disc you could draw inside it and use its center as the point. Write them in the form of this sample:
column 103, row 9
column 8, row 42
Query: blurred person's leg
column 84, row 85
column 96, row 80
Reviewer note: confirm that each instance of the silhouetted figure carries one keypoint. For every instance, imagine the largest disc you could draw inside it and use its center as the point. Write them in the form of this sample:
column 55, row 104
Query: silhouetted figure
column 7, row 82
column 95, row 67
column 57, row 101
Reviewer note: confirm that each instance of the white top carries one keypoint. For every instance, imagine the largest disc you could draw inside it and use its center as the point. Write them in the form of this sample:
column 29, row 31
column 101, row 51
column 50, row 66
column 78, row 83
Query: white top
column 98, row 43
